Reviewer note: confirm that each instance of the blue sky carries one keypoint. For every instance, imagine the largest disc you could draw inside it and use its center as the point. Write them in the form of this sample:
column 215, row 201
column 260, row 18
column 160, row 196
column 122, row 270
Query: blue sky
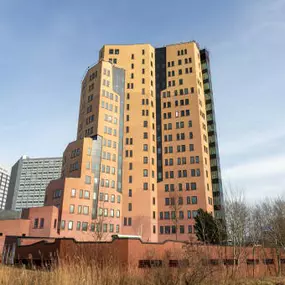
column 46, row 46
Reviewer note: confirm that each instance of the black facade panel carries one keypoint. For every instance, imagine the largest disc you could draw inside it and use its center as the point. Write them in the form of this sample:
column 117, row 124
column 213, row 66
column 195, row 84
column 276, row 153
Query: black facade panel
column 160, row 72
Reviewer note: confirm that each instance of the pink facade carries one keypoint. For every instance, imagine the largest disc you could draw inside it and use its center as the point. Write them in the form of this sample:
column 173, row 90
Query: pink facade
column 17, row 227
column 43, row 221
column 74, row 207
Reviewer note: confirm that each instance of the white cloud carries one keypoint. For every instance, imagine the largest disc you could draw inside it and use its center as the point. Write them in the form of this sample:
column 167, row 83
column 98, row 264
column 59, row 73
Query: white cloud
column 259, row 168
column 260, row 178
column 252, row 141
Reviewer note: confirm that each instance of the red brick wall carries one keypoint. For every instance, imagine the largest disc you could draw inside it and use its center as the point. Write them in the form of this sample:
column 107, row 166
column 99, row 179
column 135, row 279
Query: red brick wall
column 132, row 252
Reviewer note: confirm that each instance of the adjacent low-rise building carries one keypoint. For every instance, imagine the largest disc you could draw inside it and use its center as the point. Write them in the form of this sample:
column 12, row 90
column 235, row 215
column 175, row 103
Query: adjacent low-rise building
column 29, row 179
column 4, row 184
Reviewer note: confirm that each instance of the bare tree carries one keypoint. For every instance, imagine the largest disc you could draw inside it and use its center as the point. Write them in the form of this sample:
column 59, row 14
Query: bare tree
column 197, row 264
column 102, row 220
column 237, row 220
column 255, row 234
column 175, row 207
column 273, row 227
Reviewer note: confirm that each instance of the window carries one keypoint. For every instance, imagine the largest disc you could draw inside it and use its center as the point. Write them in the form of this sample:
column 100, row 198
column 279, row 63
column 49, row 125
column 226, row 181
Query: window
column 189, row 229
column 92, row 227
column 145, row 173
column 85, row 210
column 87, row 179
column 130, row 207
column 86, row 194
column 145, row 186
column 81, row 193
column 36, row 223
column 62, row 224
column 193, row 186
column 70, row 225
column 42, row 221
column 166, row 216
column 71, row 209
column 73, row 192
column 167, row 229
column 188, row 214
column 194, row 199
column 78, row 226
column 84, row 226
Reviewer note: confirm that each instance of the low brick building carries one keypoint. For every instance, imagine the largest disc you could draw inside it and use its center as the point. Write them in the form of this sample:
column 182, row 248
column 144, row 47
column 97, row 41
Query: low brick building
column 133, row 253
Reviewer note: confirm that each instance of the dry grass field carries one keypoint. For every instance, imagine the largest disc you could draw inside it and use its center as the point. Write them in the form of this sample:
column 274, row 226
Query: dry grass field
column 112, row 275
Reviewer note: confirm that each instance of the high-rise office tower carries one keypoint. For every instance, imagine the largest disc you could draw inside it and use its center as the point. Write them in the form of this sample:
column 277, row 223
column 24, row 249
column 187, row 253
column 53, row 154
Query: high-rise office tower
column 28, row 182
column 184, row 173
column 165, row 148
column 4, row 184
column 166, row 168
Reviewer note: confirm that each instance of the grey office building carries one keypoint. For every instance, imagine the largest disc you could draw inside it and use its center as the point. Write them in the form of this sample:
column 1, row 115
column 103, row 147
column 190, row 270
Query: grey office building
column 4, row 184
column 29, row 179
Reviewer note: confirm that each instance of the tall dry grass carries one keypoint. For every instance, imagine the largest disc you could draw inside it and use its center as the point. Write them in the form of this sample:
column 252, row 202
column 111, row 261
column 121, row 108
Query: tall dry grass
column 81, row 273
